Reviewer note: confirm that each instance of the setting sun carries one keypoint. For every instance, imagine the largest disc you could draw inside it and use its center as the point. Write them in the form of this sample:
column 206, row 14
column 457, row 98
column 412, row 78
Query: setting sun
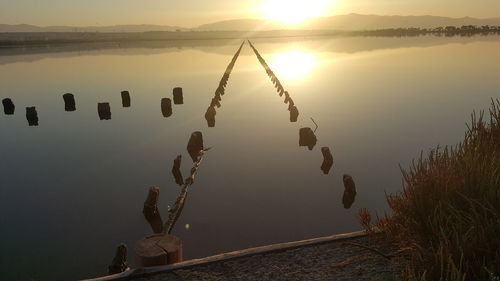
column 294, row 11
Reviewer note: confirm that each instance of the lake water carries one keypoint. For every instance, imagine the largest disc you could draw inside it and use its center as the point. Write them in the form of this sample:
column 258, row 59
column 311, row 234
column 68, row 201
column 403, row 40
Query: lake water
column 72, row 188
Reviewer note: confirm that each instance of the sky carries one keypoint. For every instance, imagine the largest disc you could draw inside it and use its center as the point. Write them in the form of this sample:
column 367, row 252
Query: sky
column 191, row 13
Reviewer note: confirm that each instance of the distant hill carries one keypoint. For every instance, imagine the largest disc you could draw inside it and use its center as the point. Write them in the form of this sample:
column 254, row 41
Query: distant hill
column 114, row 28
column 370, row 22
column 353, row 22
column 241, row 25
column 342, row 22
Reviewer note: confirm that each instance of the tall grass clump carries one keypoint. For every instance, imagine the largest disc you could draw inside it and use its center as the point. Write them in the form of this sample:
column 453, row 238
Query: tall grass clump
column 449, row 209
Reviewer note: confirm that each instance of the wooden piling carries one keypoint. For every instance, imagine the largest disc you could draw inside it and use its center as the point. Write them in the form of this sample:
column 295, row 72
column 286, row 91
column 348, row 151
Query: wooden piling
column 125, row 98
column 307, row 138
column 104, row 110
column 166, row 107
column 158, row 249
column 349, row 191
column 119, row 263
column 294, row 113
column 327, row 160
column 178, row 95
column 210, row 116
column 8, row 106
column 150, row 210
column 69, row 102
column 195, row 145
column 32, row 116
column 176, row 170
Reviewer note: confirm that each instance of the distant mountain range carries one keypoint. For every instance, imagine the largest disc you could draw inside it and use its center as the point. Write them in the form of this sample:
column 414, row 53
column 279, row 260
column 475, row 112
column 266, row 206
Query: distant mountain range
column 113, row 28
column 341, row 22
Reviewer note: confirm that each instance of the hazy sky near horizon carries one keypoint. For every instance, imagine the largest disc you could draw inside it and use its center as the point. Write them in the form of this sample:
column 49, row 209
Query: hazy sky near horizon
column 190, row 13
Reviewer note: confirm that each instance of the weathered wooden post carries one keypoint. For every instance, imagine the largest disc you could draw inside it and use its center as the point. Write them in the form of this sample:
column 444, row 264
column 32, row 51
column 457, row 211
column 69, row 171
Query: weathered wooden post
column 195, row 145
column 119, row 263
column 327, row 160
column 307, row 138
column 210, row 116
column 69, row 102
column 349, row 191
column 294, row 113
column 125, row 98
column 166, row 107
column 32, row 116
column 215, row 102
column 176, row 170
column 178, row 96
column 104, row 110
column 158, row 249
column 150, row 210
column 8, row 106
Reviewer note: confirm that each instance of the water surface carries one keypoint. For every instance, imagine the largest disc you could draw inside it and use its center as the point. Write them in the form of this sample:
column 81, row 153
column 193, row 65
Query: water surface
column 72, row 188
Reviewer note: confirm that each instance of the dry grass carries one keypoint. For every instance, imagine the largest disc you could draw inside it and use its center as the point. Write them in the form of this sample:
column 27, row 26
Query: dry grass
column 449, row 209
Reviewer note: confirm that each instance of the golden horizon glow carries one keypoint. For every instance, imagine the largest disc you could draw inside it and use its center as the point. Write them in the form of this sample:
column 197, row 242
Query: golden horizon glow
column 293, row 12
column 293, row 64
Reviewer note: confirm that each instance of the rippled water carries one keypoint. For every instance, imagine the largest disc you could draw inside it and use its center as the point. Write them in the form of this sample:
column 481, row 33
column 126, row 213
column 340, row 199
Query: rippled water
column 72, row 188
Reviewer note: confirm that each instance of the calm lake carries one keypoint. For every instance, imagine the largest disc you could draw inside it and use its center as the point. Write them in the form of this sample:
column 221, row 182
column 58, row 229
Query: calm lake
column 73, row 188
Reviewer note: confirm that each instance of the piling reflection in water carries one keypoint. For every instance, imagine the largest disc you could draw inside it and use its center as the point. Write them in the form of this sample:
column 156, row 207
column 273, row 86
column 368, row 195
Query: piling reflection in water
column 104, row 111
column 69, row 102
column 307, row 138
column 349, row 191
column 176, row 170
column 8, row 106
column 166, row 107
column 327, row 160
column 220, row 91
column 195, row 145
column 32, row 116
column 150, row 210
column 125, row 98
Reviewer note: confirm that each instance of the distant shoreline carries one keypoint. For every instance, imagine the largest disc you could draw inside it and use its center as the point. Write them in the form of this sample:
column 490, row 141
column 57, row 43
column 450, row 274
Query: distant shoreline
column 14, row 39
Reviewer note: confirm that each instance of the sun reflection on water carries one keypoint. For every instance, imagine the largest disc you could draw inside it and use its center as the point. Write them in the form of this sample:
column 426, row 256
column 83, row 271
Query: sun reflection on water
column 294, row 64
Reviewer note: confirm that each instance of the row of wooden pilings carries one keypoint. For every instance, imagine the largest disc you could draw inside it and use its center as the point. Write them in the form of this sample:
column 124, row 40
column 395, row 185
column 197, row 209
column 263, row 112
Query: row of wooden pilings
column 103, row 108
column 221, row 89
column 162, row 247
column 307, row 136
